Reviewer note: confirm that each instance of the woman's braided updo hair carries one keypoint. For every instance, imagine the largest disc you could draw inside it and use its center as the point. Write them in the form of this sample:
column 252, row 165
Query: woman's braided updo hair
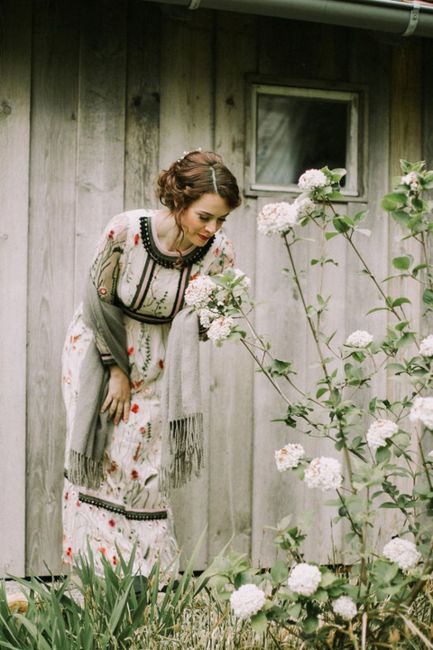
column 196, row 173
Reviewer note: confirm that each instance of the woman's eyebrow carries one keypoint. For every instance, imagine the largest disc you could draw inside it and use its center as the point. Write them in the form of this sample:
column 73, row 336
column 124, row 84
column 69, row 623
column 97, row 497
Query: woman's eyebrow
column 209, row 214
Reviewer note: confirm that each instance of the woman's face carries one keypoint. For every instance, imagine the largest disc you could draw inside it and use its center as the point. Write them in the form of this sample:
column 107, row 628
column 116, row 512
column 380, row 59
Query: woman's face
column 203, row 218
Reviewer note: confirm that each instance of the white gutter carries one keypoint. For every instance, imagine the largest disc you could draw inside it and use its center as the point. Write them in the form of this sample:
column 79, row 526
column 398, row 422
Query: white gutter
column 399, row 17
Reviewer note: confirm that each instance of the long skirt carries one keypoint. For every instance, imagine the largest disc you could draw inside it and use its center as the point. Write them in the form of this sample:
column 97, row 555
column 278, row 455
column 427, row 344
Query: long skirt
column 128, row 510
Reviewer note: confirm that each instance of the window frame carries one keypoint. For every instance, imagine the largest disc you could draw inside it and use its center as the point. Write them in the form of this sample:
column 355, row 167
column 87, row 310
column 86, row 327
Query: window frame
column 357, row 146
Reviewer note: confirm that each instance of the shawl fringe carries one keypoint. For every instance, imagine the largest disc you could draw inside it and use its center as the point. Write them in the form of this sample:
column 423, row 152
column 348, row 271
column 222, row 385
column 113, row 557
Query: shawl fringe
column 83, row 470
column 186, row 456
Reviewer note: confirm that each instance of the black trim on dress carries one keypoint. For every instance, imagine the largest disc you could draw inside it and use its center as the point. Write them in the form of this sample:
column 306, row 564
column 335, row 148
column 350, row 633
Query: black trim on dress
column 167, row 260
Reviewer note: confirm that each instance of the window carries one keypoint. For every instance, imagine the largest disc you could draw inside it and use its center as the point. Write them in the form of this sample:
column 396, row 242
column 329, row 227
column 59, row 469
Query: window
column 294, row 129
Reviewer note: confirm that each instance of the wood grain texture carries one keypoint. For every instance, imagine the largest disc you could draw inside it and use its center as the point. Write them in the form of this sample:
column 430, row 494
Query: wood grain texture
column 232, row 395
column 142, row 104
column 281, row 314
column 101, row 127
column 15, row 52
column 51, row 269
column 186, row 122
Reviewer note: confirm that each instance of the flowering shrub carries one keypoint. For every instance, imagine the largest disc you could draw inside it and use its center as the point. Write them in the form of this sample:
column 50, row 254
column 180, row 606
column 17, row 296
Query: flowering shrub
column 383, row 448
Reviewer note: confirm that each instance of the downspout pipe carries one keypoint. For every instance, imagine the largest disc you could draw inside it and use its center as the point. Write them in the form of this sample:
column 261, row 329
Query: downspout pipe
column 398, row 17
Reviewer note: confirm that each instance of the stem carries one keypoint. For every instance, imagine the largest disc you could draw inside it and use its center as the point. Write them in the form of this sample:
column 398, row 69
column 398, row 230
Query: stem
column 309, row 319
column 424, row 462
column 348, row 515
column 367, row 270
column 266, row 373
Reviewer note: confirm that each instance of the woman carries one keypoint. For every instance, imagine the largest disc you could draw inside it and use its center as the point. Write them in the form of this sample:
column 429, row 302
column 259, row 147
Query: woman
column 114, row 359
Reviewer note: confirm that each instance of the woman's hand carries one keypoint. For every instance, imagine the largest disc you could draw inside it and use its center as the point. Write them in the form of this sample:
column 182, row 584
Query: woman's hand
column 119, row 396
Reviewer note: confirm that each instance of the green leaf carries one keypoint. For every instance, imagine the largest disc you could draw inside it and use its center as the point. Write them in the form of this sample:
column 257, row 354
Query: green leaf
column 427, row 297
column 341, row 224
column 280, row 368
column 279, row 572
column 402, row 263
column 321, row 595
column 383, row 455
column 406, row 339
column 330, row 235
column 259, row 622
column 294, row 610
column 400, row 301
column 393, row 201
column 401, row 217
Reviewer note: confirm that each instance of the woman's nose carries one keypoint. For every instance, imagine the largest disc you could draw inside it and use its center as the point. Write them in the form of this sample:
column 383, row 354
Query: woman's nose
column 211, row 227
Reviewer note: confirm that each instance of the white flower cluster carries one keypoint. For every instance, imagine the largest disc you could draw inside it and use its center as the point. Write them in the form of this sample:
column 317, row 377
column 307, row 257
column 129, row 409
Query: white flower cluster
column 359, row 339
column 220, row 328
column 247, row 601
column 324, row 473
column 198, row 291
column 277, row 218
column 402, row 552
column 426, row 346
column 411, row 179
column 304, row 579
column 422, row 410
column 345, row 607
column 378, row 433
column 312, row 179
column 288, row 457
column 304, row 206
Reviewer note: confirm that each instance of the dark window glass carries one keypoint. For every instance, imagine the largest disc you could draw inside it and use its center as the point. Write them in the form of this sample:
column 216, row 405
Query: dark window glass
column 297, row 133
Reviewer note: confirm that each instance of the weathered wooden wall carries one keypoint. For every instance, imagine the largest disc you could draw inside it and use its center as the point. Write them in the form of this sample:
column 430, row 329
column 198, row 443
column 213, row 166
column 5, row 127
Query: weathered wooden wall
column 95, row 97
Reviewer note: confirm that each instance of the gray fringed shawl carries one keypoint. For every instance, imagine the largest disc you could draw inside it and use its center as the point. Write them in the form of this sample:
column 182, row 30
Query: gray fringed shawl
column 182, row 418
column 91, row 427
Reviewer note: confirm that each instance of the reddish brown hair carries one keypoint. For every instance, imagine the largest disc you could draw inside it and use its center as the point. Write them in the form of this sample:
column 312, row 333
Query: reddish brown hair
column 197, row 173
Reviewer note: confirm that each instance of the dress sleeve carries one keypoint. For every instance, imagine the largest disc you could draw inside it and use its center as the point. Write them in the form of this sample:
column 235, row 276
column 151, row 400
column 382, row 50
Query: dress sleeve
column 223, row 255
column 105, row 270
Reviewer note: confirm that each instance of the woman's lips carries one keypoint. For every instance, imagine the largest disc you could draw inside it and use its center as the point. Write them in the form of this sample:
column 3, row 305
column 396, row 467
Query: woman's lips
column 203, row 237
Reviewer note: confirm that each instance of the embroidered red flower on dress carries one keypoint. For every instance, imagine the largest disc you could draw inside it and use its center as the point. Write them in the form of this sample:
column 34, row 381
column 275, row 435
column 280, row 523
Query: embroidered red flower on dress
column 113, row 467
column 161, row 363
column 69, row 552
column 130, row 350
column 134, row 474
column 102, row 291
column 142, row 430
column 78, row 504
column 112, row 522
column 102, row 550
column 66, row 496
column 135, row 408
column 114, row 560
column 110, row 234
column 136, row 238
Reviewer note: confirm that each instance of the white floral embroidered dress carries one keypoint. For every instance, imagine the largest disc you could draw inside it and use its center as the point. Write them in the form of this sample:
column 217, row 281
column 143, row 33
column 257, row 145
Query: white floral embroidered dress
column 131, row 269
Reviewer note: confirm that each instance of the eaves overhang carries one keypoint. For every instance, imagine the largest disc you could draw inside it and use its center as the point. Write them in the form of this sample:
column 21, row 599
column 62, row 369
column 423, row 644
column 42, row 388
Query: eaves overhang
column 403, row 17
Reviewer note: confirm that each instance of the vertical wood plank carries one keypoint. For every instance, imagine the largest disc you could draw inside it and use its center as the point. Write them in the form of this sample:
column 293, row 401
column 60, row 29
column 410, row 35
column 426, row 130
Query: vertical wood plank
column 142, row 107
column 232, row 395
column 15, row 52
column 275, row 495
column 186, row 122
column 51, row 269
column 101, row 126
